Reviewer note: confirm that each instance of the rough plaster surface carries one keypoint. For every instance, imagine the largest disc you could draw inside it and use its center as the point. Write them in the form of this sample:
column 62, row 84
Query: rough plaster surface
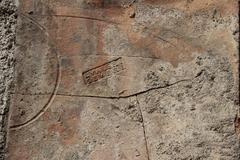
column 125, row 80
column 7, row 39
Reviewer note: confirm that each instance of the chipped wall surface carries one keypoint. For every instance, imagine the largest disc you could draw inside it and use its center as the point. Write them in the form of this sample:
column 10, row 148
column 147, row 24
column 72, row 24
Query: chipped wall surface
column 125, row 80
column 7, row 37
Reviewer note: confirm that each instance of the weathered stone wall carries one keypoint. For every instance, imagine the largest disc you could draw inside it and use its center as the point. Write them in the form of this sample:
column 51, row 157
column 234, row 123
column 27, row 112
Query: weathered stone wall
column 126, row 80
column 7, row 43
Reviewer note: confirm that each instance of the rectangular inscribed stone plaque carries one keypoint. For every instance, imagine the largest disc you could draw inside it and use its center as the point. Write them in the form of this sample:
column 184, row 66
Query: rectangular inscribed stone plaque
column 125, row 80
column 105, row 70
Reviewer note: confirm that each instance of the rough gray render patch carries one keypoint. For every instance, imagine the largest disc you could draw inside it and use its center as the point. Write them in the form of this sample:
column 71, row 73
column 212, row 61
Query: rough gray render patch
column 7, row 38
column 201, row 112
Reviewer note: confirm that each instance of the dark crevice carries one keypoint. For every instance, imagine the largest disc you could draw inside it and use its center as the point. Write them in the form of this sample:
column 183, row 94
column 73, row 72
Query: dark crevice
column 74, row 16
column 144, row 130
column 105, row 97
column 53, row 95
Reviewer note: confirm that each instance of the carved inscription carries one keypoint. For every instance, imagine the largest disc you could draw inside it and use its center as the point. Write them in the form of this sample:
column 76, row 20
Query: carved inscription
column 105, row 3
column 105, row 70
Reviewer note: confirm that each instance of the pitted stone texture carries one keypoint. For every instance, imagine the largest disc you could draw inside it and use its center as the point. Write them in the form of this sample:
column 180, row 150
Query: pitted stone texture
column 7, row 43
column 84, row 128
column 118, row 80
column 194, row 120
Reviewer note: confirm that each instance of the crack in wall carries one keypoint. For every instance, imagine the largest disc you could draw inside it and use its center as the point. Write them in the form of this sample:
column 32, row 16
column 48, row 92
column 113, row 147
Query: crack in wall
column 43, row 110
column 101, row 20
column 70, row 16
column 80, row 17
column 105, row 97
column 144, row 129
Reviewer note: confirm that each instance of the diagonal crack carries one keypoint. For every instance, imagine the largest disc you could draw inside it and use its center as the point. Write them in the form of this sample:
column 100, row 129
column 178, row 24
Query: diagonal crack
column 111, row 97
column 74, row 16
column 144, row 129
column 84, row 96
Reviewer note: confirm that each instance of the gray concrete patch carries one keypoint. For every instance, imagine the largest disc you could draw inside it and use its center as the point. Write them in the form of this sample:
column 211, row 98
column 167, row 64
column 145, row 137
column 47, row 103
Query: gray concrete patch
column 7, row 46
